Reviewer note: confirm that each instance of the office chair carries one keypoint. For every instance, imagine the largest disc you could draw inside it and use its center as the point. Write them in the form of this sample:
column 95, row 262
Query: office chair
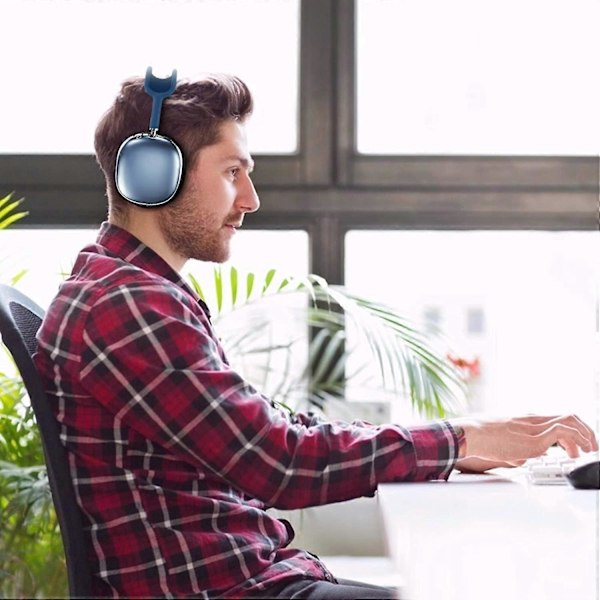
column 20, row 319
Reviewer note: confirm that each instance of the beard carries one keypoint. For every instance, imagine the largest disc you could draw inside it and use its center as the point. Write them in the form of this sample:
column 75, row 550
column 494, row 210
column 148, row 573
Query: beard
column 194, row 233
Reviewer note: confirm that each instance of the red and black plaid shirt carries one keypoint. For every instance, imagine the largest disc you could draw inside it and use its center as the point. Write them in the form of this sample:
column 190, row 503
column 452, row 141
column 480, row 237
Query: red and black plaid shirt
column 175, row 458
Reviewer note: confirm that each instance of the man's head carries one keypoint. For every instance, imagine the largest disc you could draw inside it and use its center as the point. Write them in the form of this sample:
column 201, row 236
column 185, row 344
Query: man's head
column 206, row 119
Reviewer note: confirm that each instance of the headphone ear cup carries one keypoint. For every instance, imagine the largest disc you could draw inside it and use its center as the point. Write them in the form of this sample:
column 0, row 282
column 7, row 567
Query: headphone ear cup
column 148, row 169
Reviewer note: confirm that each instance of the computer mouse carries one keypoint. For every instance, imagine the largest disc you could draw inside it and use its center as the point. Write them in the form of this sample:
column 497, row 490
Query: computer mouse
column 585, row 477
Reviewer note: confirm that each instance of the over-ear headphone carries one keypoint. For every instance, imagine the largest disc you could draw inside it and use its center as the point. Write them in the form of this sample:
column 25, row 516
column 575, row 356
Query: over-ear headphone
column 149, row 166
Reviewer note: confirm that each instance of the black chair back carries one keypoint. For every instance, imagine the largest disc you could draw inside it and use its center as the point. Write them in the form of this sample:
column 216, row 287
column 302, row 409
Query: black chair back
column 20, row 319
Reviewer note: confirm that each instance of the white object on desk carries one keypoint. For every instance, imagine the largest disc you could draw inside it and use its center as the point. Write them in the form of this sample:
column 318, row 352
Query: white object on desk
column 493, row 537
column 552, row 467
column 549, row 471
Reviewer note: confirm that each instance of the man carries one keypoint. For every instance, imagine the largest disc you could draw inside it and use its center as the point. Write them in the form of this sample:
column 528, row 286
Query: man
column 175, row 458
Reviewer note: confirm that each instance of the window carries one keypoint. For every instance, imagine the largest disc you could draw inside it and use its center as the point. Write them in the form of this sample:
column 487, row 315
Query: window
column 85, row 48
column 502, row 77
column 530, row 299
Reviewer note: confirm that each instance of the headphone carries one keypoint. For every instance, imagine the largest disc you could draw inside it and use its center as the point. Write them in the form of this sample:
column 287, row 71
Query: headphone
column 149, row 166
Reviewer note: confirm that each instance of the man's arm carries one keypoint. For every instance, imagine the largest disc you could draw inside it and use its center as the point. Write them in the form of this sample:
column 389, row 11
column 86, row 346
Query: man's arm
column 151, row 360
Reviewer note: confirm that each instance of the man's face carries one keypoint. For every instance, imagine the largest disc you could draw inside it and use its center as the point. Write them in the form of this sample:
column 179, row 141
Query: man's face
column 217, row 193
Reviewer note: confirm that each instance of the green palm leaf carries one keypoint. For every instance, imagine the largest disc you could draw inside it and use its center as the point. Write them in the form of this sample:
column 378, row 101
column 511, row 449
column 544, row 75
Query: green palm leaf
column 408, row 363
column 7, row 208
column 8, row 216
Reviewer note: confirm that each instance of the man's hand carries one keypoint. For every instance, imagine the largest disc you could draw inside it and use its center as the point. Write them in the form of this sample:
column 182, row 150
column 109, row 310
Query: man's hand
column 510, row 442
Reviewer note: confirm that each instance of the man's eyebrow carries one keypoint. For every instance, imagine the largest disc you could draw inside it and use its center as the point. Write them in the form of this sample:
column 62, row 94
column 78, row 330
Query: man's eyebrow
column 247, row 163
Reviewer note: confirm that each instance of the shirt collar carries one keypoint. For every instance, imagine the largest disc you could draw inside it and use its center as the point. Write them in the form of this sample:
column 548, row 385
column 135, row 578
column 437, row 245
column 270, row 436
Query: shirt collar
column 122, row 243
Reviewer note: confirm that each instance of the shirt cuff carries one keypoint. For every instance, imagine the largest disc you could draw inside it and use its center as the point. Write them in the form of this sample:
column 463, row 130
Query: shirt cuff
column 436, row 447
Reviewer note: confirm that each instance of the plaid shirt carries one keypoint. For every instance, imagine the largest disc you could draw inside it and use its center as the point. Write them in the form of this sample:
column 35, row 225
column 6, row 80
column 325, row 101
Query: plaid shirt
column 174, row 457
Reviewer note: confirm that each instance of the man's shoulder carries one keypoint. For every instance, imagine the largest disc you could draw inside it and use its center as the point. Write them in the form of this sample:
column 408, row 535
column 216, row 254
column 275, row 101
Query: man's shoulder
column 107, row 270
column 104, row 279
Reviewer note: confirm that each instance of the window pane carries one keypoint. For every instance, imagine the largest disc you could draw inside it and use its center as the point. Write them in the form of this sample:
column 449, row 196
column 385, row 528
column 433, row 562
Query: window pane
column 524, row 303
column 505, row 77
column 85, row 48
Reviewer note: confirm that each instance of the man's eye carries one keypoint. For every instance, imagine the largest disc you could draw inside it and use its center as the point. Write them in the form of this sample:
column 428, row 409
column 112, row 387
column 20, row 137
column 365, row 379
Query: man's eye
column 234, row 172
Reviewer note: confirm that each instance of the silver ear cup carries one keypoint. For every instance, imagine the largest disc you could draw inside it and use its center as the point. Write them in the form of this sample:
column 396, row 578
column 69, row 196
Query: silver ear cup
column 148, row 169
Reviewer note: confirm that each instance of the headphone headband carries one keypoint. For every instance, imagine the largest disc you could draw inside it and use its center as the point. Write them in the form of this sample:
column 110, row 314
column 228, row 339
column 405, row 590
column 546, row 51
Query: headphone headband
column 158, row 89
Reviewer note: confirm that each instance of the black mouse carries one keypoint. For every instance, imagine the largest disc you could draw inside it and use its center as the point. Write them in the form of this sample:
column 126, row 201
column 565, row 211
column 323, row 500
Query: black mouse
column 585, row 477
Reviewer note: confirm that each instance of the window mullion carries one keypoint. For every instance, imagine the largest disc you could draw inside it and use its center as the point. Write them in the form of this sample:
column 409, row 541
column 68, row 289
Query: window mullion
column 345, row 76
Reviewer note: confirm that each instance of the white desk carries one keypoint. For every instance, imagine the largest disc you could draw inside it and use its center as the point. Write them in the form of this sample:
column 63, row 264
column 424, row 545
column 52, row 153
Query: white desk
column 493, row 537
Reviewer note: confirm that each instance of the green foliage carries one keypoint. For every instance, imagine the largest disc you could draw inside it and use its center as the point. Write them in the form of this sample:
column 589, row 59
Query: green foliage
column 8, row 216
column 307, row 344
column 31, row 554
column 8, row 207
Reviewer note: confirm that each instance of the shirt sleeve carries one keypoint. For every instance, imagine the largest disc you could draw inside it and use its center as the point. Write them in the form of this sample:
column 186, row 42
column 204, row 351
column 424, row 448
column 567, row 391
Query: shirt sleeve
column 151, row 360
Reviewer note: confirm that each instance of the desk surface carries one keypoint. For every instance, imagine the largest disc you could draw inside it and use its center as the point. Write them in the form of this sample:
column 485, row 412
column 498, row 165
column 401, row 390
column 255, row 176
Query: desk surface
column 493, row 536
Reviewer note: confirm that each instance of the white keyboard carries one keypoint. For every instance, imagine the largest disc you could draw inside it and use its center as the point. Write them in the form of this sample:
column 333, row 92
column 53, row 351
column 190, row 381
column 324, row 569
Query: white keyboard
column 551, row 469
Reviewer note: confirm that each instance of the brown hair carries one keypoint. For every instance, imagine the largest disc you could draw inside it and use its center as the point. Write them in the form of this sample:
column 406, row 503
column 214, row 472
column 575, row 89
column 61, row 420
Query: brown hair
column 191, row 117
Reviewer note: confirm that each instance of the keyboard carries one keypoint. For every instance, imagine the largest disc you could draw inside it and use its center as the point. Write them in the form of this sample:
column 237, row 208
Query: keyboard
column 552, row 468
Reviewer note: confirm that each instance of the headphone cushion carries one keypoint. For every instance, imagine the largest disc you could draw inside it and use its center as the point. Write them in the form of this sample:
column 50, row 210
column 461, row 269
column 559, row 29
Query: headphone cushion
column 148, row 169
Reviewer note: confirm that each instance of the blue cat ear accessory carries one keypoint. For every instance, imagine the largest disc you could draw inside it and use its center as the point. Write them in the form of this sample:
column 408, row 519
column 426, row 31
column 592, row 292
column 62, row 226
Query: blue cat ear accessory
column 149, row 165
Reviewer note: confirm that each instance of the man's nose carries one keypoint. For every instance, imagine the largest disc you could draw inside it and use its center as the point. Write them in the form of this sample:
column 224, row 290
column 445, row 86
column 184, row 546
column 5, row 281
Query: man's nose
column 248, row 199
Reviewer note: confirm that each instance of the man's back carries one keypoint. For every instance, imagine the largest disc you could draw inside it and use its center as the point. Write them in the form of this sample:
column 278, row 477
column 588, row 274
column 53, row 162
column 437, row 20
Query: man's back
column 162, row 520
